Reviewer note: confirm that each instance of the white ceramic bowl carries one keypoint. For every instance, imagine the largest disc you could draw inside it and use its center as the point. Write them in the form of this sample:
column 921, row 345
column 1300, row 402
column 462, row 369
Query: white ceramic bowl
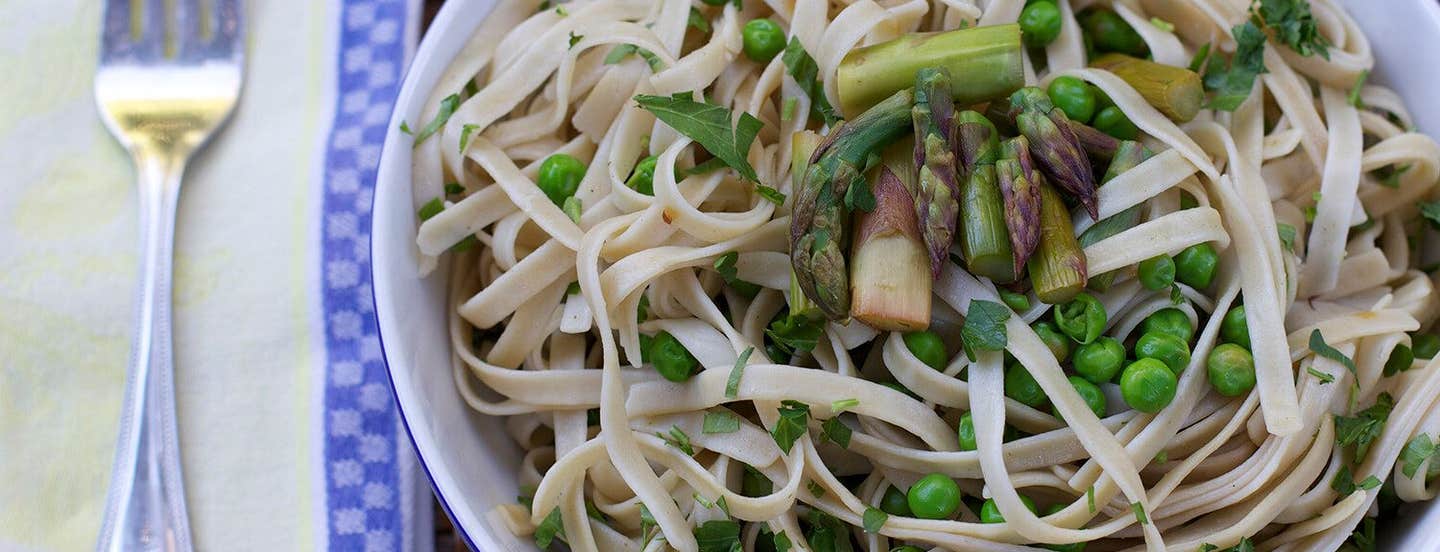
column 470, row 459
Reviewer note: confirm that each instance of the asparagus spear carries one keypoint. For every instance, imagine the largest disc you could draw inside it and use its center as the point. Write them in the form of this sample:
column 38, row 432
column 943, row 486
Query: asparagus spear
column 1058, row 270
column 1175, row 91
column 1019, row 183
column 1098, row 145
column 988, row 57
column 984, row 240
column 802, row 146
column 890, row 287
column 1128, row 154
column 1054, row 144
column 831, row 186
column 936, row 204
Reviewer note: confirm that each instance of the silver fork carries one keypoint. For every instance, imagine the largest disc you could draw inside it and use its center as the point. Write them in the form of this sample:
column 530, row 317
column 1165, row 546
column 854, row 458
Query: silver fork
column 169, row 76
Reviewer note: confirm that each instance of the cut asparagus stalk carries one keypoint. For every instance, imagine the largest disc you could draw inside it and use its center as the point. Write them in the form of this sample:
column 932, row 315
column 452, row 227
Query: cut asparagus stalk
column 1057, row 270
column 890, row 280
column 1175, row 91
column 829, row 187
column 984, row 236
column 938, row 187
column 1054, row 144
column 988, row 57
column 1019, row 183
column 1128, row 154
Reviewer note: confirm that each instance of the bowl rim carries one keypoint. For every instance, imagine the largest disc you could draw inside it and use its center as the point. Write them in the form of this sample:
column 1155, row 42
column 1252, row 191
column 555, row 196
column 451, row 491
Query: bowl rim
column 381, row 286
column 380, row 281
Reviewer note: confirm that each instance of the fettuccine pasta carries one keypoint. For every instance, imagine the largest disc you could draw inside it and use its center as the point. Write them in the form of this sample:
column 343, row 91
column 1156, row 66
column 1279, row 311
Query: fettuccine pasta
column 802, row 432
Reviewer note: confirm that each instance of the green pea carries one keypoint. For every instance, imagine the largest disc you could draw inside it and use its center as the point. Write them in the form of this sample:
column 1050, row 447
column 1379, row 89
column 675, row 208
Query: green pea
column 966, row 432
column 894, row 502
column 1233, row 328
column 1166, row 348
column 1401, row 357
column 990, row 512
column 1425, row 346
column 670, row 358
column 1021, row 386
column 927, row 347
column 643, row 179
column 1018, row 302
column 1040, row 24
column 1231, row 370
column 560, row 176
column 1100, row 360
column 1195, row 265
column 1112, row 121
column 934, row 496
column 1093, row 396
column 1148, row 385
column 1157, row 273
column 1074, row 96
column 1102, row 100
column 1058, row 344
column 1110, row 33
column 1082, row 319
column 1168, row 321
column 763, row 39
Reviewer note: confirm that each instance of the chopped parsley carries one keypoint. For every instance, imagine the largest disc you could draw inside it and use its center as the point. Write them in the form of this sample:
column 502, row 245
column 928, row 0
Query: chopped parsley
column 835, row 431
column 805, row 71
column 1416, row 452
column 1291, row 23
column 619, row 53
column 1431, row 211
column 843, row 404
column 1162, row 24
column 732, row 385
column 575, row 39
column 1360, row 430
column 678, row 439
column 792, row 333
column 1231, row 81
column 1345, row 484
column 431, row 208
column 718, row 535
column 551, row 528
column 1287, row 236
column 698, row 20
column 815, row 489
column 1090, row 498
column 725, row 265
column 709, row 125
column 984, row 327
column 1354, row 96
column 465, row 132
column 1321, row 348
column 1324, row 377
column 793, row 422
column 720, row 421
column 571, row 208
column 447, row 108
column 1139, row 510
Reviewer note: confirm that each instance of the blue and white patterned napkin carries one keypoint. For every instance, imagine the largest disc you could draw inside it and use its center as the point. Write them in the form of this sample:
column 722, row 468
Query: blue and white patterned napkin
column 289, row 432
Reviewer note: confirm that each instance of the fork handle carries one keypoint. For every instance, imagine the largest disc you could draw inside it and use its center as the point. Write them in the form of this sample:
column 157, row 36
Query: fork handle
column 145, row 506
